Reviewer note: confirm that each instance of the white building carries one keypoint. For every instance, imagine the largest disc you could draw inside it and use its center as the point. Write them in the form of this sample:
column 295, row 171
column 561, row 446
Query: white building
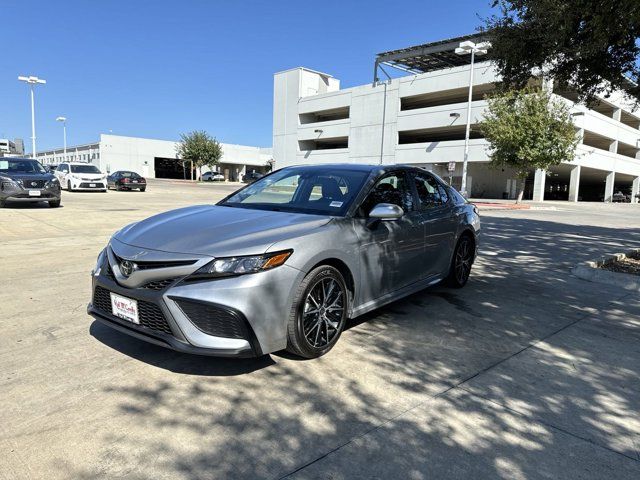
column 420, row 119
column 155, row 158
column 9, row 148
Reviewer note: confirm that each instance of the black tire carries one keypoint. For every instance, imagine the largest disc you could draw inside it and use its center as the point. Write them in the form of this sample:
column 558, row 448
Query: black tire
column 2, row 203
column 461, row 263
column 69, row 186
column 313, row 330
column 54, row 203
column 143, row 189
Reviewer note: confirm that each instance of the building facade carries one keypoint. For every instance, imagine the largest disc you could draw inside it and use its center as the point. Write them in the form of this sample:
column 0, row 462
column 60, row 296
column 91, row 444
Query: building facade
column 420, row 119
column 8, row 147
column 156, row 158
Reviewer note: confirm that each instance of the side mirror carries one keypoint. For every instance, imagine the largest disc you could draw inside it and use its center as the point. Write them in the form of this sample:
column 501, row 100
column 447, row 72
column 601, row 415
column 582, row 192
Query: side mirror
column 384, row 212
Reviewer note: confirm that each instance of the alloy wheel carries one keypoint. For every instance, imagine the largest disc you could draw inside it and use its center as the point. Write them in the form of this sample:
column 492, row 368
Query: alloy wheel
column 463, row 261
column 323, row 312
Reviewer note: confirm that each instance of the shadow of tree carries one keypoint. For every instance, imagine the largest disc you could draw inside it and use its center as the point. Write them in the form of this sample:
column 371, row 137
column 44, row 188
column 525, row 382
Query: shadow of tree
column 525, row 373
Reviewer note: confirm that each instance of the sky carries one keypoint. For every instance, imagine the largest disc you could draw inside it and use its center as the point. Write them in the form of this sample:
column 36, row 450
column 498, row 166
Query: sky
column 160, row 68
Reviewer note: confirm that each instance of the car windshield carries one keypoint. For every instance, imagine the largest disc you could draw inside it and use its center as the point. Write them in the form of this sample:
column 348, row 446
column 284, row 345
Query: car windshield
column 20, row 165
column 84, row 169
column 314, row 190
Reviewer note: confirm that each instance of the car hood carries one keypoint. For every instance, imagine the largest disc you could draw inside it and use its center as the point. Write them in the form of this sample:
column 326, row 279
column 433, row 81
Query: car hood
column 28, row 176
column 217, row 231
column 93, row 176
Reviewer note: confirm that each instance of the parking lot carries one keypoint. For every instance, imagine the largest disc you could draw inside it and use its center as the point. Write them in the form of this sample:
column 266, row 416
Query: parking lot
column 527, row 372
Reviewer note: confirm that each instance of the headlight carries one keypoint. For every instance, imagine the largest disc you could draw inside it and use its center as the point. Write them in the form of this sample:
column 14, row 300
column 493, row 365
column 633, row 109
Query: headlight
column 99, row 261
column 52, row 183
column 231, row 266
column 9, row 182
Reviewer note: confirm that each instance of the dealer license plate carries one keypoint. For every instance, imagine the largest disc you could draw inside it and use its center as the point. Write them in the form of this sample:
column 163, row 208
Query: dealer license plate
column 34, row 193
column 125, row 308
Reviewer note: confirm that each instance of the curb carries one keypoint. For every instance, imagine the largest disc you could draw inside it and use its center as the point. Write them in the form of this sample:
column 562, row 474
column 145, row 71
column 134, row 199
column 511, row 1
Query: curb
column 592, row 272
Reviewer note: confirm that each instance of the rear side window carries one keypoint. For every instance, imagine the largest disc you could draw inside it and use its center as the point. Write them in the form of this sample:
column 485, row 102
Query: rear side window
column 430, row 192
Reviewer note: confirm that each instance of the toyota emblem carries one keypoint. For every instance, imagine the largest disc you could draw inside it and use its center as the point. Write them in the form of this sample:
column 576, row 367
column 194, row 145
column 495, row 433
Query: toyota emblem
column 127, row 267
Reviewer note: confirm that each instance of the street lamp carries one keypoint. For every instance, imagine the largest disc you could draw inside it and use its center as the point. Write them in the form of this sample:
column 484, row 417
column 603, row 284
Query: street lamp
column 473, row 49
column 64, row 134
column 32, row 81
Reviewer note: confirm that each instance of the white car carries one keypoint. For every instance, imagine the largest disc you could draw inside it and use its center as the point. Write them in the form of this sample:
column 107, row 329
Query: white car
column 212, row 177
column 81, row 176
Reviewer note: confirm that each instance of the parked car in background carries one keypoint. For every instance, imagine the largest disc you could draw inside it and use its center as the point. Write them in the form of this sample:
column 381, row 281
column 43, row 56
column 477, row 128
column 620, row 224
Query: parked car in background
column 251, row 177
column 212, row 177
column 26, row 180
column 285, row 261
column 81, row 176
column 620, row 197
column 126, row 180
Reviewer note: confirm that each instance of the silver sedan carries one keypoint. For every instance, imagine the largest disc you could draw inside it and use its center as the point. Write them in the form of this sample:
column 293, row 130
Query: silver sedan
column 284, row 262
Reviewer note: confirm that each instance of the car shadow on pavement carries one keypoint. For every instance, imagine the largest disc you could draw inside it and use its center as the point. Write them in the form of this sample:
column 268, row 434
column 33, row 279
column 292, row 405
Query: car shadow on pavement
column 173, row 361
column 525, row 373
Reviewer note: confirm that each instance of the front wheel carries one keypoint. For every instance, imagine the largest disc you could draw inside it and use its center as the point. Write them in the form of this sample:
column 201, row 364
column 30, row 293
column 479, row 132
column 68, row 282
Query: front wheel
column 54, row 203
column 461, row 262
column 319, row 313
column 69, row 186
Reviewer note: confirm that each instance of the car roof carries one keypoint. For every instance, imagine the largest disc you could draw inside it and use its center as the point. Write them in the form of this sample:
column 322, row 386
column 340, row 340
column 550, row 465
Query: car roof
column 364, row 167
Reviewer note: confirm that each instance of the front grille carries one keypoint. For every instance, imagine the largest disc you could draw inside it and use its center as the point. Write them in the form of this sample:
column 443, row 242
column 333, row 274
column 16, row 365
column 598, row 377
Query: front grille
column 214, row 320
column 149, row 314
column 159, row 284
column 146, row 265
column 95, row 185
column 178, row 263
column 33, row 183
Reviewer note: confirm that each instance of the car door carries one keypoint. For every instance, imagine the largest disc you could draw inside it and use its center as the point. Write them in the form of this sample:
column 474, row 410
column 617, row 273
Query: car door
column 61, row 173
column 391, row 252
column 438, row 216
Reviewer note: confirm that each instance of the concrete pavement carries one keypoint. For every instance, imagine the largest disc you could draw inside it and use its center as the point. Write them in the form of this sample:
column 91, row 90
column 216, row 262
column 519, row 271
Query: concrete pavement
column 528, row 372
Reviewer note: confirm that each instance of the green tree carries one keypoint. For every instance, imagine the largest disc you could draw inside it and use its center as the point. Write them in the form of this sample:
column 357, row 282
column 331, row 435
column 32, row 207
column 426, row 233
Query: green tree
column 584, row 45
column 528, row 129
column 200, row 148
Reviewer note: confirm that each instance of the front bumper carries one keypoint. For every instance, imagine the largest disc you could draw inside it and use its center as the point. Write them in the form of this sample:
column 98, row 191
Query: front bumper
column 15, row 194
column 242, row 316
column 86, row 184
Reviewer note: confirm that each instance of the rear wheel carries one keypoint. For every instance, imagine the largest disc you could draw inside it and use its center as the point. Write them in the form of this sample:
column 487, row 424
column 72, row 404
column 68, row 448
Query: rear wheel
column 2, row 203
column 461, row 262
column 143, row 189
column 319, row 313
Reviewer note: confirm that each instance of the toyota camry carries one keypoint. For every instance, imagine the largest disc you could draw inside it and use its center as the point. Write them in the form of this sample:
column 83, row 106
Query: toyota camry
column 284, row 262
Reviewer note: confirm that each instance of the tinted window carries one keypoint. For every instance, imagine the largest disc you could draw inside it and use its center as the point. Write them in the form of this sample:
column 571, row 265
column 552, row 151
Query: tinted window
column 317, row 190
column 443, row 193
column 430, row 192
column 84, row 169
column 389, row 189
column 128, row 175
column 20, row 165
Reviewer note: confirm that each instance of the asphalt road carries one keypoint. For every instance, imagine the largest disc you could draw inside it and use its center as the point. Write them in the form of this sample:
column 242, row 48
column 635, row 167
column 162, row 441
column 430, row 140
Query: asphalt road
column 525, row 373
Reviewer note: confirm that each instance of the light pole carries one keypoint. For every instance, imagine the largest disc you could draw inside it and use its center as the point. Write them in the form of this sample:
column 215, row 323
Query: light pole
column 473, row 49
column 32, row 81
column 64, row 134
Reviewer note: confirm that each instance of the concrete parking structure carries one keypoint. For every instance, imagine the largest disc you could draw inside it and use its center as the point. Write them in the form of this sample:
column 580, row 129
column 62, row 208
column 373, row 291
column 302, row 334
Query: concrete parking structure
column 527, row 372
